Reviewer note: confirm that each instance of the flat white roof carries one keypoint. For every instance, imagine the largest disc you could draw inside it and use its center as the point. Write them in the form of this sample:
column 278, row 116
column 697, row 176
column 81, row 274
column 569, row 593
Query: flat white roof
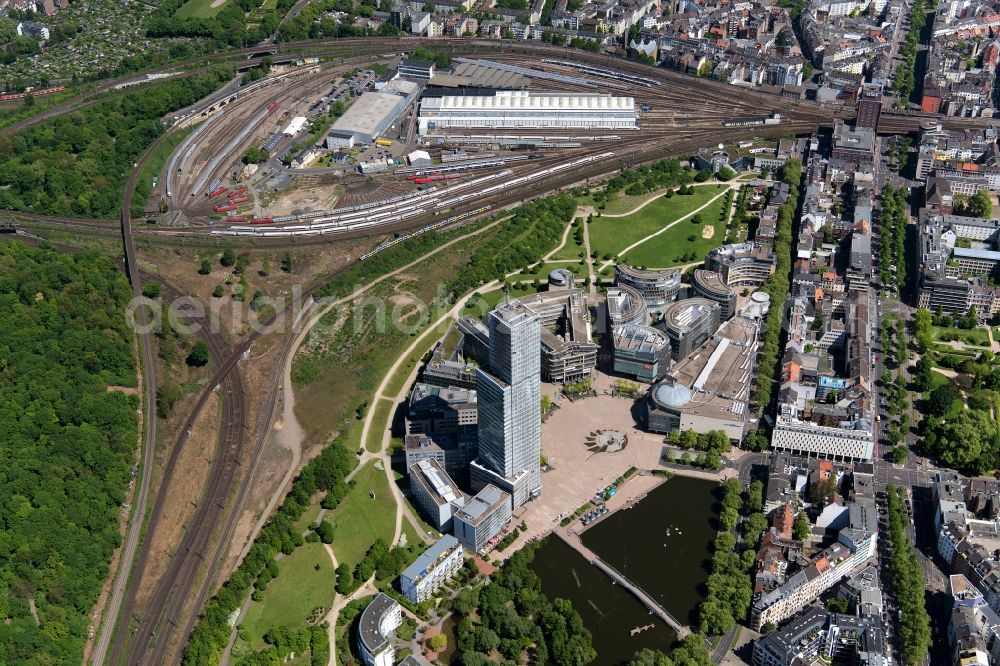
column 507, row 100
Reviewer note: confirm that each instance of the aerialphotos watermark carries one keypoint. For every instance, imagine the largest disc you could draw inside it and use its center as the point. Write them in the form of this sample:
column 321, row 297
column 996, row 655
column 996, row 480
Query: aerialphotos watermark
column 403, row 312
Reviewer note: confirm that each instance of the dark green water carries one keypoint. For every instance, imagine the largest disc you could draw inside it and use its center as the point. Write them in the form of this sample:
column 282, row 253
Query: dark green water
column 608, row 611
column 672, row 568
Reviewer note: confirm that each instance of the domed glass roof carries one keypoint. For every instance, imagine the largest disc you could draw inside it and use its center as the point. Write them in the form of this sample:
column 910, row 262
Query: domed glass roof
column 675, row 395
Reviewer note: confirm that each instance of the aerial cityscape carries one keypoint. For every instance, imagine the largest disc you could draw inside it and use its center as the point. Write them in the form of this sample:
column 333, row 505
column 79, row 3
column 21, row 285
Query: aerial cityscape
column 500, row 332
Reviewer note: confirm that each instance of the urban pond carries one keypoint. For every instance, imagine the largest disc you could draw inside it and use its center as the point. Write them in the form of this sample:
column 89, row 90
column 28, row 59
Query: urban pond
column 663, row 544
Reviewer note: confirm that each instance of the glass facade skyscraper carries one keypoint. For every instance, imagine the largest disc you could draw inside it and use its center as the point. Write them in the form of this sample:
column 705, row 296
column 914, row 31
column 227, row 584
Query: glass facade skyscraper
column 509, row 393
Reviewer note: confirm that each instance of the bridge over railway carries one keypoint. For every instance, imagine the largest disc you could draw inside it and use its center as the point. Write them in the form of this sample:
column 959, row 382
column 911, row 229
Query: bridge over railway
column 573, row 541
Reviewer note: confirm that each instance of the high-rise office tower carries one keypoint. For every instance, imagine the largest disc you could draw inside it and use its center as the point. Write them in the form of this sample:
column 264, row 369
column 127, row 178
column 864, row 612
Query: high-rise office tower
column 510, row 427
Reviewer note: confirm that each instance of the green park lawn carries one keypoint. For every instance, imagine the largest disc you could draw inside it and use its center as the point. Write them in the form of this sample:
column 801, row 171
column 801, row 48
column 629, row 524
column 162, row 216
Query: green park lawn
column 289, row 599
column 976, row 336
column 610, row 235
column 198, row 9
column 359, row 520
column 668, row 249
column 308, row 517
column 383, row 412
column 570, row 250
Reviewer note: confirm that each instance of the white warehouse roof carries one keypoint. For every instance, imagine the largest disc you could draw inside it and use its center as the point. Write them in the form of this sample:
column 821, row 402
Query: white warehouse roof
column 524, row 100
column 294, row 127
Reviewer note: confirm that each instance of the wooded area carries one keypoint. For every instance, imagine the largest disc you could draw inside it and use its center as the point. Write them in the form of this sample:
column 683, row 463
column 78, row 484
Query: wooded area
column 78, row 164
column 67, row 444
column 511, row 615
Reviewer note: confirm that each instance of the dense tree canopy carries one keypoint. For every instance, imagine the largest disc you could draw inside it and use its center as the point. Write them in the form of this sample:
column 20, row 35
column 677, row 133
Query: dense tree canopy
column 78, row 163
column 67, row 444
column 513, row 616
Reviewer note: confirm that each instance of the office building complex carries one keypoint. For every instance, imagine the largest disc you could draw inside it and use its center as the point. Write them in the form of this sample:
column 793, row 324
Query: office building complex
column 449, row 451
column 479, row 523
column 626, row 307
column 435, row 410
column 689, row 323
column 657, row 287
column 954, row 278
column 709, row 390
column 510, row 436
column 435, row 493
column 568, row 352
column 849, row 440
column 416, row 69
column 710, row 285
column 743, row 264
column 434, row 566
column 642, row 352
column 378, row 620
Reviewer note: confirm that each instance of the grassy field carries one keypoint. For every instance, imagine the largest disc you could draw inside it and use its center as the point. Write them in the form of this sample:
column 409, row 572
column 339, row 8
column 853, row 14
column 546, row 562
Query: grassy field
column 359, row 520
column 289, row 599
column 976, row 336
column 668, row 248
column 610, row 235
column 308, row 517
column 570, row 250
column 198, row 9
column 152, row 169
column 353, row 358
column 383, row 412
column 621, row 203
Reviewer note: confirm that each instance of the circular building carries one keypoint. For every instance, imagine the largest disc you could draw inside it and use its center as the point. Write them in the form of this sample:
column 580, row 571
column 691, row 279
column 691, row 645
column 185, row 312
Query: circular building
column 689, row 323
column 664, row 404
column 625, row 306
column 760, row 303
column 657, row 287
column 710, row 285
column 560, row 278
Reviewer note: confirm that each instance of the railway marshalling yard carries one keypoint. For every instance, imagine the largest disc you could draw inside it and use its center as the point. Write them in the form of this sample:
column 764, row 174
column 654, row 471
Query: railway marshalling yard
column 502, row 167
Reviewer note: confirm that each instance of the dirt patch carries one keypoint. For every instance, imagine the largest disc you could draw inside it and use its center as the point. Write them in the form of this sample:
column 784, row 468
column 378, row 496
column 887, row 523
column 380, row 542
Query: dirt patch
column 217, row 3
column 707, row 231
column 185, row 490
column 296, row 200
column 130, row 390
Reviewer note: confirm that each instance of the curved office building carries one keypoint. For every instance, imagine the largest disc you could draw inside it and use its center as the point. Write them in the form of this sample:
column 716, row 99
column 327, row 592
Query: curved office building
column 710, row 285
column 742, row 264
column 378, row 620
column 625, row 306
column 657, row 287
column 689, row 323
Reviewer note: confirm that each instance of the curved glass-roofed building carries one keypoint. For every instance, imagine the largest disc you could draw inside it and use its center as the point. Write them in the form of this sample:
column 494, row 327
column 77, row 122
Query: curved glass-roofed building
column 710, row 285
column 689, row 323
column 657, row 287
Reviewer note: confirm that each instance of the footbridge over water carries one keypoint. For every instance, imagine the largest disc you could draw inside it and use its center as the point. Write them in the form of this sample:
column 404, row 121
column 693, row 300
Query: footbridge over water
column 573, row 541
